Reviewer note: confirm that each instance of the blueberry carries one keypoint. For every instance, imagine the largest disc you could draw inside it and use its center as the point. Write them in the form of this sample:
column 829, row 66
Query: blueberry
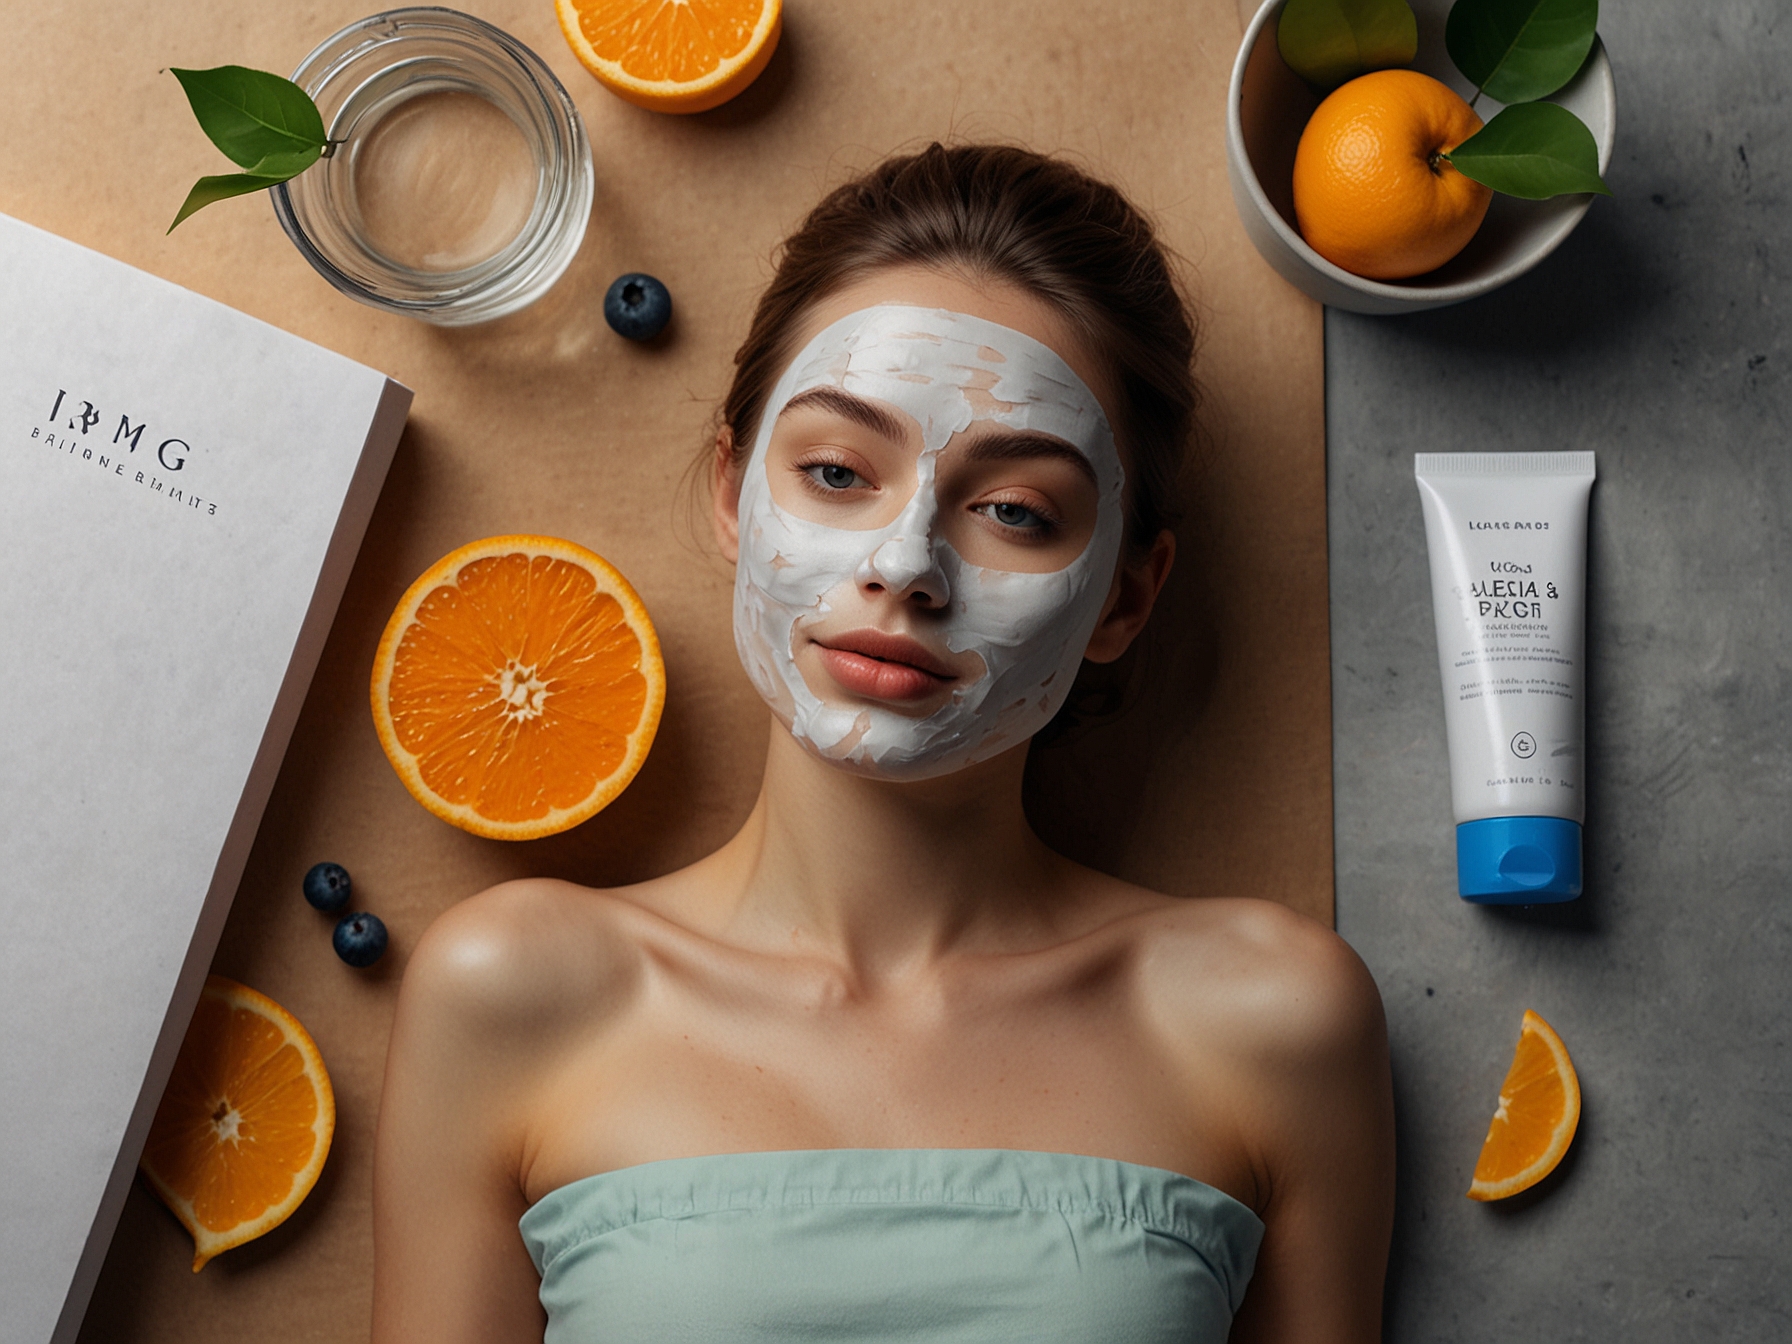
column 637, row 307
column 360, row 939
column 327, row 886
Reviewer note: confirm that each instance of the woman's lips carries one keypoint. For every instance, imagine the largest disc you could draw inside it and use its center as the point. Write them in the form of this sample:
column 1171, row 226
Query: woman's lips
column 881, row 666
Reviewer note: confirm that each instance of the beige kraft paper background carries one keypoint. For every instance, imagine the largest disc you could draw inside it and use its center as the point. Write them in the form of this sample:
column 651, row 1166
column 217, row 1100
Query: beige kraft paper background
column 1217, row 780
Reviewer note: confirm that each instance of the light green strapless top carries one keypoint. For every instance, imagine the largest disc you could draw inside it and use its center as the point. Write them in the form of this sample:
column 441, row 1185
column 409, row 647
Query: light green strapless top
column 945, row 1245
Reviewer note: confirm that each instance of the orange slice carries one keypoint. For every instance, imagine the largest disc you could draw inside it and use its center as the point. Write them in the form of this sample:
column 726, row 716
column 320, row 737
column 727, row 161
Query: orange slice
column 518, row 686
column 673, row 55
column 245, row 1124
column 1538, row 1111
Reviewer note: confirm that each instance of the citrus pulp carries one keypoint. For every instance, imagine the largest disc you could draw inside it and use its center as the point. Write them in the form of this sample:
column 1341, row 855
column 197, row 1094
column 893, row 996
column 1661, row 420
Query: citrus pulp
column 1538, row 1112
column 673, row 55
column 245, row 1122
column 518, row 686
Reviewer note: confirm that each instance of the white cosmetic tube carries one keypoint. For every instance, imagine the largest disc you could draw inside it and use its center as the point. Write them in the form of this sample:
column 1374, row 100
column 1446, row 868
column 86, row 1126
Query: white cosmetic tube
column 1508, row 541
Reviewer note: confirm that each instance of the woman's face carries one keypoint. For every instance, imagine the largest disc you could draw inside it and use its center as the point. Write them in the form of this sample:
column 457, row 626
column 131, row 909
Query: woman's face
column 929, row 523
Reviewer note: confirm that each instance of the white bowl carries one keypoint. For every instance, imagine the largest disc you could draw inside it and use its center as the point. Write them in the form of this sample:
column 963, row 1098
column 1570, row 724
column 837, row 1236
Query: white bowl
column 1267, row 108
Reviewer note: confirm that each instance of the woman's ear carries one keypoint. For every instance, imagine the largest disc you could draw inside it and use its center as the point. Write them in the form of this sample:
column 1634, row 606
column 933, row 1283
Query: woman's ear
column 724, row 496
column 1136, row 586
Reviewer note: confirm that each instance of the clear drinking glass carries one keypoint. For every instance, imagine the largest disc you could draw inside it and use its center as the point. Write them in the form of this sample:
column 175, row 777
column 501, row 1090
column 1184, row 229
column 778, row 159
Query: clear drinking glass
column 458, row 182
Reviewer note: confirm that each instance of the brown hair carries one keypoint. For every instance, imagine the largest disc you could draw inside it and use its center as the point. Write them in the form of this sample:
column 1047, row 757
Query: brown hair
column 1003, row 214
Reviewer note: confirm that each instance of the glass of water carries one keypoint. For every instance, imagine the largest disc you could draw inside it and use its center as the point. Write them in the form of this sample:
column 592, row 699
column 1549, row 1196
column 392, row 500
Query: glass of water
column 457, row 184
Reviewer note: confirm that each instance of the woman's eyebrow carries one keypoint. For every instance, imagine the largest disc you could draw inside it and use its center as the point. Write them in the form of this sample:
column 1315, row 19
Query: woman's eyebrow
column 855, row 408
column 1026, row 443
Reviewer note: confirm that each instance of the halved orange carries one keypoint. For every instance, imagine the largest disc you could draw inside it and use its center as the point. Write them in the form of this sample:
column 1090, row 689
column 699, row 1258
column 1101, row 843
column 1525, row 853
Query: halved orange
column 245, row 1123
column 1538, row 1111
column 673, row 55
column 518, row 686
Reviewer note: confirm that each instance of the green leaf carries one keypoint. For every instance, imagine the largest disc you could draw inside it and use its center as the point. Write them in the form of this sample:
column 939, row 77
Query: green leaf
column 209, row 190
column 1327, row 42
column 268, row 172
column 265, row 124
column 1533, row 150
column 280, row 167
column 1520, row 50
column 251, row 114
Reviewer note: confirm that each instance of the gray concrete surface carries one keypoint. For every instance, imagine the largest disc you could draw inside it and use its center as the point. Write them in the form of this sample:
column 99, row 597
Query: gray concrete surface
column 1656, row 337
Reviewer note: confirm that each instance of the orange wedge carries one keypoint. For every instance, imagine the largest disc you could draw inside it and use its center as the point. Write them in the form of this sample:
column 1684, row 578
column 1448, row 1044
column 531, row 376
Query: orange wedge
column 518, row 686
column 245, row 1124
column 1538, row 1111
column 673, row 55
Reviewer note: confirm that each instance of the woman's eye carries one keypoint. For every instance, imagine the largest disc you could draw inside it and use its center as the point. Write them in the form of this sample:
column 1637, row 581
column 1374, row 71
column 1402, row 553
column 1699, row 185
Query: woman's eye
column 834, row 476
column 1015, row 515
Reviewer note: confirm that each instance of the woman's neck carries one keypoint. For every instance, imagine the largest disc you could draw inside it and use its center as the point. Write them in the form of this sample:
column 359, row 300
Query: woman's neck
column 885, row 877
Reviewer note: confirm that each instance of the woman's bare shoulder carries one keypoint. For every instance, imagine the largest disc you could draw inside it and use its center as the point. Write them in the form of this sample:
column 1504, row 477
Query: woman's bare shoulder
column 523, row 957
column 1260, row 980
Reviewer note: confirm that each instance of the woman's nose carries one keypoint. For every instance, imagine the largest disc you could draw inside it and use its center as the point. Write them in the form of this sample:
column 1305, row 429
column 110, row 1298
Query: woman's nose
column 906, row 566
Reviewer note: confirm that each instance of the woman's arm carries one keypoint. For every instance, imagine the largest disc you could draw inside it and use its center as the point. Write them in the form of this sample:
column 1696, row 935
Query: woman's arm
column 474, row 1029
column 1322, row 1127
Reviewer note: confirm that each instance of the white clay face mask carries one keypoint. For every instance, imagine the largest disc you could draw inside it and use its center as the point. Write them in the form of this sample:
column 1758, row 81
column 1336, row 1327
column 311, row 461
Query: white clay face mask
column 946, row 371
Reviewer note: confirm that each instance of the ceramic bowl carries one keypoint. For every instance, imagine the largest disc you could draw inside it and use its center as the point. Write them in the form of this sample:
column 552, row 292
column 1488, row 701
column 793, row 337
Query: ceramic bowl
column 1267, row 107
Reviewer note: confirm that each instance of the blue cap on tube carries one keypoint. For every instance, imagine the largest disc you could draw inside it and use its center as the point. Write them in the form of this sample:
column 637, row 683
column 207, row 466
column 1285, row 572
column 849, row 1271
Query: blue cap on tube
column 1518, row 860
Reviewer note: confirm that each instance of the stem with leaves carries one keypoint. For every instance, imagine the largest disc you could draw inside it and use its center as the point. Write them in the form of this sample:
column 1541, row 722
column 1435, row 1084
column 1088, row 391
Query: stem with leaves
column 266, row 125
column 1514, row 51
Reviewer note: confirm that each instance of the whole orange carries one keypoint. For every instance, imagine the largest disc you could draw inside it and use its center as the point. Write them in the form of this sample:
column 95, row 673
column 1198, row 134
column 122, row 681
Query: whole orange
column 1371, row 193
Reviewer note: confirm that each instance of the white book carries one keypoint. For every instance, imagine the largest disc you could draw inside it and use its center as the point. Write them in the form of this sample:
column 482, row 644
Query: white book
column 182, row 493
